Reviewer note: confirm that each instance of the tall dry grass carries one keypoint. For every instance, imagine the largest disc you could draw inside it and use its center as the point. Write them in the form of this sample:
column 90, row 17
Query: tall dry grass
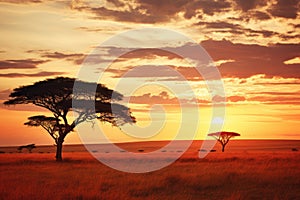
column 264, row 175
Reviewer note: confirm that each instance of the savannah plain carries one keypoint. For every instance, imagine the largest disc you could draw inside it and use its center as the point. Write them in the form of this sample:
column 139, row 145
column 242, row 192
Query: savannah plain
column 248, row 169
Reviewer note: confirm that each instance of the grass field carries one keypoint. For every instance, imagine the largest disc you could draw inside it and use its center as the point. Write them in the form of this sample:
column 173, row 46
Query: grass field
column 271, row 172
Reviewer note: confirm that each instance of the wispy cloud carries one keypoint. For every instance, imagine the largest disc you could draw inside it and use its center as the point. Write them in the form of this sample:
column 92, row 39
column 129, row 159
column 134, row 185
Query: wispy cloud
column 292, row 61
column 21, row 64
column 22, row 1
column 38, row 74
column 76, row 58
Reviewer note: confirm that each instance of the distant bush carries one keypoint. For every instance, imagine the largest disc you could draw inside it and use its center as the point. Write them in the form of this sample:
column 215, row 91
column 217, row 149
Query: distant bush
column 204, row 150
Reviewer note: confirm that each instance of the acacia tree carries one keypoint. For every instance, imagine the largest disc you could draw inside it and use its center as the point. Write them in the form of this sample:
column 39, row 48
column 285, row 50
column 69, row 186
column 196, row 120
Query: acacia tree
column 223, row 137
column 92, row 100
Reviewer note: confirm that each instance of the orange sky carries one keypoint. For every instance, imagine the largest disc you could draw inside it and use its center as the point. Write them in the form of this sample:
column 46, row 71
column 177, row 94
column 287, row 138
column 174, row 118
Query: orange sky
column 254, row 44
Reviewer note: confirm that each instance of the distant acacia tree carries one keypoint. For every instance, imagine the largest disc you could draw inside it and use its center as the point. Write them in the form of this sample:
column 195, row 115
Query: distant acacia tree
column 223, row 137
column 92, row 100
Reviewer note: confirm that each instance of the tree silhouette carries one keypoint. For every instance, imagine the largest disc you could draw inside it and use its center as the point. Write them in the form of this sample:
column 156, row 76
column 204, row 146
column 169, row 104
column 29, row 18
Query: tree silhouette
column 29, row 147
column 223, row 137
column 91, row 100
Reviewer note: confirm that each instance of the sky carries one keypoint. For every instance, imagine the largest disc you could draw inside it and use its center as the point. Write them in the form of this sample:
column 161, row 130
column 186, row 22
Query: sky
column 254, row 45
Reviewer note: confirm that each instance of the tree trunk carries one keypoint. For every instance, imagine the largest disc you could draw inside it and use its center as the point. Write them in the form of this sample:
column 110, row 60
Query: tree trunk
column 59, row 146
column 223, row 148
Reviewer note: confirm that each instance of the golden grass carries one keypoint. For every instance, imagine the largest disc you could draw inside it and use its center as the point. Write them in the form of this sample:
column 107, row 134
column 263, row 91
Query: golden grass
column 257, row 170
column 229, row 175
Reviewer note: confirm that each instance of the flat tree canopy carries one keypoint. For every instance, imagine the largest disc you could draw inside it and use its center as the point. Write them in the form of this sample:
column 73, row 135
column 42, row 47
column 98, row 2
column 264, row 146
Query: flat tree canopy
column 223, row 137
column 89, row 100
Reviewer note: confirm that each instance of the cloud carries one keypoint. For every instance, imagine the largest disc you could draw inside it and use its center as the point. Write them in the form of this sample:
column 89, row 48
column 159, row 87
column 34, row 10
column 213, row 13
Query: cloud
column 249, row 4
column 162, row 98
column 219, row 25
column 39, row 74
column 285, row 9
column 59, row 55
column 105, row 29
column 21, row 64
column 229, row 99
column 242, row 20
column 207, row 6
column 293, row 100
column 220, row 62
column 279, row 93
column 260, row 15
column 232, row 59
column 269, row 95
column 21, row 1
column 251, row 59
column 289, row 37
column 131, row 15
column 236, row 29
column 292, row 61
column 156, row 63
column 76, row 58
column 148, row 11
column 236, row 98
column 143, row 53
column 295, row 82
column 218, row 99
column 148, row 71
column 262, row 89
column 159, row 72
column 280, row 8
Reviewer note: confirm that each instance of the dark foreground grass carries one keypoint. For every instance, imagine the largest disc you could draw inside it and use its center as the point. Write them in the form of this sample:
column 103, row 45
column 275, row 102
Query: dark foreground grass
column 258, row 175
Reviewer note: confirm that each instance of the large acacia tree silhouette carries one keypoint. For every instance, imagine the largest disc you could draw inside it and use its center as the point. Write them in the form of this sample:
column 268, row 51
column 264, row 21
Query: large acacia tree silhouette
column 92, row 101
